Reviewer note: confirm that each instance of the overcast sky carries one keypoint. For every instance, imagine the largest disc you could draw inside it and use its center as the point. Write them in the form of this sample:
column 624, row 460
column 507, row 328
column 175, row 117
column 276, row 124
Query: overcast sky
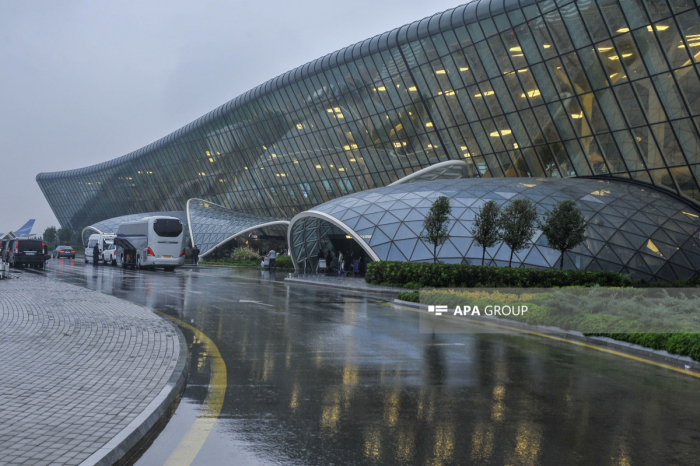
column 82, row 82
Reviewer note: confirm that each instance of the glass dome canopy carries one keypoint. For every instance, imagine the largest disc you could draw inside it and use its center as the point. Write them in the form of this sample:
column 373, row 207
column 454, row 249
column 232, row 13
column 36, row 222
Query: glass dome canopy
column 631, row 228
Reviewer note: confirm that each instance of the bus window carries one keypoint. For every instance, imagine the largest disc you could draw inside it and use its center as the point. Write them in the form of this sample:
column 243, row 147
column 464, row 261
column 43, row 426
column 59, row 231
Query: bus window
column 167, row 228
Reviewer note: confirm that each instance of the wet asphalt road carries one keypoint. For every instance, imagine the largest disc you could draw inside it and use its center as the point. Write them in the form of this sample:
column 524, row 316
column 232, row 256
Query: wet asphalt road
column 317, row 376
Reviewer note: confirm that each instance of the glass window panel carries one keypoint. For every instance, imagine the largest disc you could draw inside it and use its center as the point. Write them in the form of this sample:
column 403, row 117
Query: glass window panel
column 503, row 95
column 650, row 51
column 596, row 75
column 609, row 150
column 611, row 62
column 478, row 100
column 613, row 16
column 681, row 5
column 649, row 101
column 579, row 165
column 594, row 22
column 629, row 56
column 576, row 73
column 530, row 121
column 669, row 145
column 475, row 64
column 542, row 86
column 635, row 13
column 495, row 135
column 547, row 161
column 662, row 178
column 671, row 43
column 686, row 182
column 647, row 147
column 575, row 25
column 528, row 45
column 481, row 137
column 559, row 77
column 545, row 44
column 689, row 24
column 493, row 165
column 688, row 138
column 629, row 150
column 487, row 59
column 690, row 86
column 502, row 56
column 558, row 32
column 628, row 104
column 533, row 162
column 545, row 122
column 592, row 112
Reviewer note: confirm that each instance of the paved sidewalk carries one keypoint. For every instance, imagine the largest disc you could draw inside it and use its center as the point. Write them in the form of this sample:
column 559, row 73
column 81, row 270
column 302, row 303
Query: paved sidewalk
column 83, row 375
column 347, row 283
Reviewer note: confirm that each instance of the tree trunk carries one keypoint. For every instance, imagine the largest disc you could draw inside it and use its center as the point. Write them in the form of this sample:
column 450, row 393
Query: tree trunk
column 434, row 253
column 510, row 261
column 561, row 262
column 483, row 256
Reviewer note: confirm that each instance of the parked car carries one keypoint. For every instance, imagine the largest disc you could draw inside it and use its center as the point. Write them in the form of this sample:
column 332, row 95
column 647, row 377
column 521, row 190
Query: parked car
column 31, row 252
column 63, row 251
column 109, row 255
column 4, row 246
column 103, row 240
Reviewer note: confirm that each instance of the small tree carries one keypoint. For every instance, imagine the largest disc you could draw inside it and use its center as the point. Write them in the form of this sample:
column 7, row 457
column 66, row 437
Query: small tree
column 65, row 235
column 436, row 223
column 518, row 225
column 564, row 227
column 486, row 231
column 50, row 237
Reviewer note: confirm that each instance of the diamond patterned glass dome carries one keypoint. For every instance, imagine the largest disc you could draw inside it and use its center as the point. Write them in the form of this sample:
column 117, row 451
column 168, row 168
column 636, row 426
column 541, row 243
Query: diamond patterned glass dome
column 211, row 224
column 631, row 229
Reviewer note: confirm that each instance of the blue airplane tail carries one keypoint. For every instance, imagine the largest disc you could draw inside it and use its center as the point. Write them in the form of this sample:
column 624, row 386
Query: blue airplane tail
column 25, row 229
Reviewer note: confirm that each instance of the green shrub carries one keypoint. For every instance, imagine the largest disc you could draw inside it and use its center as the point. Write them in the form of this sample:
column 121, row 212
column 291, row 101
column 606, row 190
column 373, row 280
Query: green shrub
column 412, row 296
column 468, row 276
column 284, row 262
column 244, row 254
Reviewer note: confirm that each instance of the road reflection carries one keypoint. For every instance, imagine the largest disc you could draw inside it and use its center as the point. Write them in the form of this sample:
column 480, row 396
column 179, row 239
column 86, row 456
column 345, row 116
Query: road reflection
column 320, row 376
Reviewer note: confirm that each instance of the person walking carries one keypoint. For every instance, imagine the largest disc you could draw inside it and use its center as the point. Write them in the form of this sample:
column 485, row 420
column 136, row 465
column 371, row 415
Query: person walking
column 95, row 254
column 340, row 263
column 195, row 255
column 271, row 255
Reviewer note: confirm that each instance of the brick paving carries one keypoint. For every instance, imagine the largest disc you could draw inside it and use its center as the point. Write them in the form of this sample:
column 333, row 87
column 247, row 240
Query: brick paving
column 76, row 368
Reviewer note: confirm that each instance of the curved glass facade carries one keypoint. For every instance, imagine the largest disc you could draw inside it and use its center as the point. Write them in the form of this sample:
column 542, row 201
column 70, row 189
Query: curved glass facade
column 631, row 229
column 514, row 88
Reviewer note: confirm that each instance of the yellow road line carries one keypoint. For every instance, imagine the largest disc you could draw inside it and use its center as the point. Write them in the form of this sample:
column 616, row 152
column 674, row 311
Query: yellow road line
column 192, row 442
column 573, row 342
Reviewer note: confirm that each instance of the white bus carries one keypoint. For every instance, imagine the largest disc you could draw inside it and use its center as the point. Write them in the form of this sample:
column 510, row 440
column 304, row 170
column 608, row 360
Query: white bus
column 151, row 242
column 103, row 240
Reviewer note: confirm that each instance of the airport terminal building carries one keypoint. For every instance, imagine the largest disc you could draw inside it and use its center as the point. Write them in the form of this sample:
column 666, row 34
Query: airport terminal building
column 595, row 101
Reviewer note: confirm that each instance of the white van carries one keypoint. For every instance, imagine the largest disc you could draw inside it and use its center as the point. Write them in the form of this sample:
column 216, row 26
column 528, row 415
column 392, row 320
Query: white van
column 151, row 242
column 103, row 240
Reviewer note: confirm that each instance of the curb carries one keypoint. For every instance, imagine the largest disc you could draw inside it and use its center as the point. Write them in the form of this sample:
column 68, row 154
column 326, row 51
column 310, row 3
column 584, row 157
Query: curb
column 390, row 291
column 662, row 356
column 115, row 450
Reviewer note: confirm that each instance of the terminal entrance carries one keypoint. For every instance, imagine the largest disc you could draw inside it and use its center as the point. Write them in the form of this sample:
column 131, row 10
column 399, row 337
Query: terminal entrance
column 322, row 247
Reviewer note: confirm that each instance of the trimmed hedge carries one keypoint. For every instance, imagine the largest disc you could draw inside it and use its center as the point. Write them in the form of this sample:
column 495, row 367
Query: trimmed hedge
column 420, row 274
column 412, row 296
column 683, row 344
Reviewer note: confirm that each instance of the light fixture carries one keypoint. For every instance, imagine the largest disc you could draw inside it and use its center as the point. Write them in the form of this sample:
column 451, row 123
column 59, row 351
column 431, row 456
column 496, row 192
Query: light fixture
column 503, row 132
column 533, row 93
column 515, row 145
column 577, row 116
column 412, row 89
column 546, row 46
column 464, row 69
column 623, row 30
column 516, row 49
column 440, row 71
column 429, row 124
column 318, row 166
column 604, row 49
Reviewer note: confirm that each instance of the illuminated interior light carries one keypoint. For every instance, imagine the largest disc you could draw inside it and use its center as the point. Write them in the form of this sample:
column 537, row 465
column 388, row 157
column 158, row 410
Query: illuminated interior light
column 478, row 95
column 577, row 116
column 273, row 155
column 503, row 132
column 430, row 146
column 516, row 49
column 464, row 69
column 220, row 180
column 623, row 30
column 398, row 86
column 613, row 57
column 208, row 153
column 689, row 214
column 352, row 160
column 336, row 109
column 429, row 124
column 300, row 126
column 318, row 166
column 659, row 27
column 440, row 71
column 341, row 169
column 533, row 93
column 604, row 49
column 381, row 88
column 412, row 89
column 245, row 168
column 296, row 161
column 447, row 93
column 627, row 55
column 467, row 155
column 524, row 70
column 330, row 110
column 264, row 148
column 515, row 145
column 613, row 75
column 397, row 144
column 262, row 168
column 546, row 46
column 340, row 115
column 331, row 166
column 211, row 160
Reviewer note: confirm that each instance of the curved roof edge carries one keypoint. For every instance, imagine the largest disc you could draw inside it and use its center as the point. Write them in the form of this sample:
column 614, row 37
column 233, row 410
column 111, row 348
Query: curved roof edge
column 446, row 20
